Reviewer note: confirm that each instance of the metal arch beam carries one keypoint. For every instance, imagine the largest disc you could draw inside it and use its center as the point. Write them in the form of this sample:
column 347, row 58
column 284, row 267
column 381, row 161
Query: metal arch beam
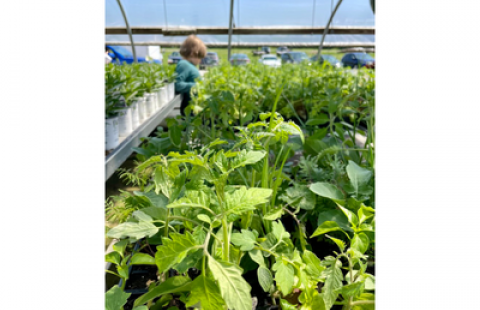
column 230, row 29
column 252, row 44
column 129, row 31
column 183, row 31
column 328, row 25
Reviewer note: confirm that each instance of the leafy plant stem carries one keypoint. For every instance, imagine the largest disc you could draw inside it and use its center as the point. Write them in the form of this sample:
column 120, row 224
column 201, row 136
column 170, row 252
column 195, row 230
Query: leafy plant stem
column 165, row 233
column 300, row 232
column 226, row 243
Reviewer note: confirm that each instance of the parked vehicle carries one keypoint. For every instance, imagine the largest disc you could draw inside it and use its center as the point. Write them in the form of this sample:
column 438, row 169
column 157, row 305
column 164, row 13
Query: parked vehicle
column 281, row 50
column 294, row 57
column 174, row 58
column 239, row 59
column 263, row 50
column 270, row 60
column 331, row 60
column 121, row 55
column 213, row 56
column 207, row 63
column 357, row 60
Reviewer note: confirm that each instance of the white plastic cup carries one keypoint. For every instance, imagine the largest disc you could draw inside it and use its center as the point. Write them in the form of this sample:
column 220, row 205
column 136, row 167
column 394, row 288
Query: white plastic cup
column 163, row 96
column 150, row 100
column 171, row 91
column 125, row 122
column 111, row 133
column 142, row 113
column 135, row 116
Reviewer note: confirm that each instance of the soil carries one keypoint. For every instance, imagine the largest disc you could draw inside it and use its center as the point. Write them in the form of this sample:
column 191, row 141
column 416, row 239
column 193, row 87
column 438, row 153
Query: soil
column 139, row 276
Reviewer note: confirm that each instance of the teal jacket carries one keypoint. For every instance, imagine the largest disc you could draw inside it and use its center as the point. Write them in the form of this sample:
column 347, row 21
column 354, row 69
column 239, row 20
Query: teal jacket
column 186, row 75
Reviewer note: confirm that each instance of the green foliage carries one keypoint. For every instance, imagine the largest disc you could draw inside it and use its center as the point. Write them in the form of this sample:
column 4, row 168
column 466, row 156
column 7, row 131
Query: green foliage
column 222, row 188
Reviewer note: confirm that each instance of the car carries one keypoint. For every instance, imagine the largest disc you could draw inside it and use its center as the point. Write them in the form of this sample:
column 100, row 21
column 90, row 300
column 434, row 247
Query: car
column 213, row 56
column 207, row 62
column 270, row 60
column 331, row 60
column 174, row 58
column 281, row 50
column 294, row 57
column 263, row 50
column 121, row 55
column 239, row 59
column 357, row 60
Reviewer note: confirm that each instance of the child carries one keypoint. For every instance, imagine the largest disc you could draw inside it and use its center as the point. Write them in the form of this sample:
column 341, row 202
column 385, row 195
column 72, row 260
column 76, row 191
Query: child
column 192, row 51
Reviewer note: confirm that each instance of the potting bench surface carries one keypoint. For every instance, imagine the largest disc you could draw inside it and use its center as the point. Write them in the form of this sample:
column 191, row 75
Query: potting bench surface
column 124, row 149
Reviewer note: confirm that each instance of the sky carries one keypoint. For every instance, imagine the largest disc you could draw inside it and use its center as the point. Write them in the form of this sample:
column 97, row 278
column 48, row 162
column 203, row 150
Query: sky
column 246, row 13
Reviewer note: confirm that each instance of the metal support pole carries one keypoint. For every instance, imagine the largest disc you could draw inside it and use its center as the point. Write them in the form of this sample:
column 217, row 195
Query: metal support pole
column 128, row 30
column 326, row 28
column 230, row 29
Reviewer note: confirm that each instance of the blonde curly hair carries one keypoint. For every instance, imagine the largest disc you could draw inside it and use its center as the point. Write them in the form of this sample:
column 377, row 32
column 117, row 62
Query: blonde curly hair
column 193, row 47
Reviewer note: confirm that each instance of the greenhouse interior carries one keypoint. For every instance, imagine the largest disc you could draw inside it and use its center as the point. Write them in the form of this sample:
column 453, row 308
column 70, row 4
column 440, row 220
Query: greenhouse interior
column 240, row 154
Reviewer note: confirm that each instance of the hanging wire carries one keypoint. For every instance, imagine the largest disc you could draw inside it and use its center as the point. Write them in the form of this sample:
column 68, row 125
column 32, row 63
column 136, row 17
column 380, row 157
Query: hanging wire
column 165, row 12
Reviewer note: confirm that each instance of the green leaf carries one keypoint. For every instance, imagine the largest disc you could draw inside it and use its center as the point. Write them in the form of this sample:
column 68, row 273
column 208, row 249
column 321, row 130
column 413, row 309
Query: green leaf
column 245, row 158
column 284, row 275
column 174, row 250
column 338, row 242
column 175, row 135
column 326, row 227
column 163, row 183
column 171, row 285
column 360, row 242
column 233, row 287
column 279, row 231
column 245, row 240
column 322, row 119
column 142, row 259
column 133, row 230
column 264, row 278
column 205, row 292
column 336, row 216
column 113, row 257
column 159, row 201
column 351, row 290
column 286, row 305
column 204, row 218
column 364, row 213
column 139, row 215
column 359, row 177
column 141, row 308
column 273, row 214
column 333, row 281
column 352, row 218
column 327, row 190
column 120, row 247
column 257, row 256
column 243, row 200
column 156, row 213
column 190, row 261
column 301, row 196
column 313, row 264
column 115, row 298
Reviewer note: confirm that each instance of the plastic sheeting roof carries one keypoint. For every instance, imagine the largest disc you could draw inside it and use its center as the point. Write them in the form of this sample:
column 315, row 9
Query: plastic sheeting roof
column 247, row 13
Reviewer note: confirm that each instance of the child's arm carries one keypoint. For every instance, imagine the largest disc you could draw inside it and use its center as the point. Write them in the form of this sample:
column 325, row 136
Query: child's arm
column 180, row 85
